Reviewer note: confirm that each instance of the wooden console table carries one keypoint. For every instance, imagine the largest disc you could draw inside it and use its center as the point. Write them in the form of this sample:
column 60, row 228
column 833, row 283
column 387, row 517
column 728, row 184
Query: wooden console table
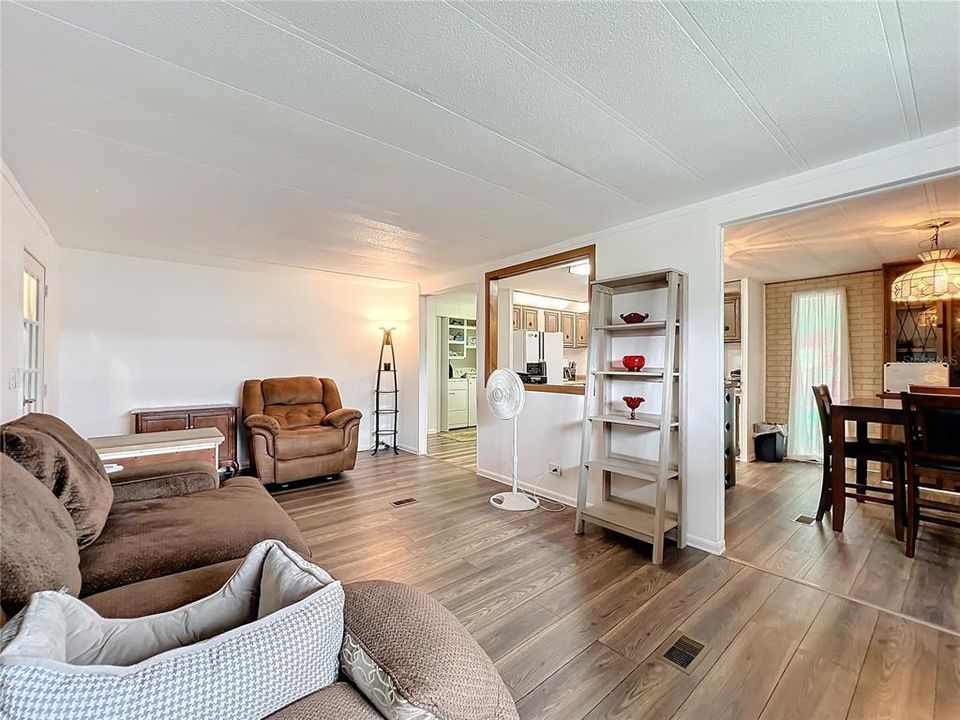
column 150, row 448
column 223, row 417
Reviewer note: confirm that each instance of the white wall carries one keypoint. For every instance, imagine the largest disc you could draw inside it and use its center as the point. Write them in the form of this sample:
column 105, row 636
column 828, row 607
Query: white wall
column 23, row 229
column 139, row 333
column 690, row 239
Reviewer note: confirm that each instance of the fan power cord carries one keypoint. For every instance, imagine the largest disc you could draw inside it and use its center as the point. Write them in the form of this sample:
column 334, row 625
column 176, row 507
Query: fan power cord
column 557, row 506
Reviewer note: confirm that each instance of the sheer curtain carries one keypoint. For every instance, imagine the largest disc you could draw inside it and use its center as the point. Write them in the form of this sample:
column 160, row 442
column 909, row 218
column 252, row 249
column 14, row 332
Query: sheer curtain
column 821, row 356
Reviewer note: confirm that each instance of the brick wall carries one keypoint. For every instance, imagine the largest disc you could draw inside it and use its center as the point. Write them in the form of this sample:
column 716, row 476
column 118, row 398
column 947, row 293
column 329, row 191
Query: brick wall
column 865, row 315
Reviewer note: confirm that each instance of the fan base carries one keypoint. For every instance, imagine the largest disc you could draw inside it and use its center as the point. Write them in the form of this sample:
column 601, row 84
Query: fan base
column 514, row 502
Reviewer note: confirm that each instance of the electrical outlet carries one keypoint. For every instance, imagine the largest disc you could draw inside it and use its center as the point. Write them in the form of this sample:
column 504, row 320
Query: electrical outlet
column 554, row 469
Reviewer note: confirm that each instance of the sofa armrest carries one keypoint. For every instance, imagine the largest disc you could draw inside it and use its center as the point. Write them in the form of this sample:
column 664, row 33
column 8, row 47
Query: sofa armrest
column 162, row 480
column 262, row 422
column 340, row 418
column 403, row 645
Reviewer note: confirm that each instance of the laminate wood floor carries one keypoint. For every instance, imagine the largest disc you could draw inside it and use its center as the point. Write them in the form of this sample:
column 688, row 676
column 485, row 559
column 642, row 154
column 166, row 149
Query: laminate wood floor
column 865, row 562
column 573, row 623
column 461, row 452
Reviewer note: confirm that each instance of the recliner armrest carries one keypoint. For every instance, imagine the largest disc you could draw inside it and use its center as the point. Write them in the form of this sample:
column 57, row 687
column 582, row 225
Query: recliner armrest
column 262, row 422
column 340, row 418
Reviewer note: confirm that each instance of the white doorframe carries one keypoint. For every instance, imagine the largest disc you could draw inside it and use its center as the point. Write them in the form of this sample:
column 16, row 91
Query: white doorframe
column 33, row 294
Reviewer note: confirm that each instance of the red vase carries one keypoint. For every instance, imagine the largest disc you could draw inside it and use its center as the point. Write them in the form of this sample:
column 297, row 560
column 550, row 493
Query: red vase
column 634, row 363
column 633, row 403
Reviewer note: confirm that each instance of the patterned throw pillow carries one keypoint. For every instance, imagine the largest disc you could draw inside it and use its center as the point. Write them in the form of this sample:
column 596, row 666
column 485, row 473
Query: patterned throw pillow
column 269, row 637
column 413, row 660
column 376, row 684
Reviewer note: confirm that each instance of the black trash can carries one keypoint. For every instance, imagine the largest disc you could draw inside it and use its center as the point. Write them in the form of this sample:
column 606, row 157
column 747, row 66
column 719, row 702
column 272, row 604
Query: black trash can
column 770, row 442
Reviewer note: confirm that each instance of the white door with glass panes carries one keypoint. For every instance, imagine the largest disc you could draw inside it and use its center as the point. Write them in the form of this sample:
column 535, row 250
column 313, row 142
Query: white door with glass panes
column 32, row 387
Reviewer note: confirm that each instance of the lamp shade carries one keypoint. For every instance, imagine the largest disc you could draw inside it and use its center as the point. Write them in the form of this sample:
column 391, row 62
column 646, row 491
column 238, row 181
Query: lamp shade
column 937, row 279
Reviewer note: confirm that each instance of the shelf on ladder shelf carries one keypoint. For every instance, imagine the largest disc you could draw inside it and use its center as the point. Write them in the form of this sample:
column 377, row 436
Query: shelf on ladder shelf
column 643, row 420
column 638, row 522
column 640, row 468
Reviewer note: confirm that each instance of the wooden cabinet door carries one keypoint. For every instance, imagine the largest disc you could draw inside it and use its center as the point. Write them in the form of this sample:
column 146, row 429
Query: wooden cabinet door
column 583, row 329
column 568, row 326
column 226, row 422
column 530, row 319
column 731, row 318
column 517, row 319
column 162, row 422
column 551, row 321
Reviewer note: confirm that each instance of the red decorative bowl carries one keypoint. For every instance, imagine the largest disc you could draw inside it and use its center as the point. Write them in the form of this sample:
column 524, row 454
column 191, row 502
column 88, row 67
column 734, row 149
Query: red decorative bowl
column 634, row 363
column 633, row 403
column 634, row 318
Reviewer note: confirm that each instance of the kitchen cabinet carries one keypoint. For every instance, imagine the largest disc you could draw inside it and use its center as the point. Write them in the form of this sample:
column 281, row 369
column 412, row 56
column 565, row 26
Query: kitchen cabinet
column 551, row 321
column 530, row 318
column 517, row 317
column 472, row 402
column 458, row 405
column 568, row 326
column 731, row 318
column 191, row 417
column 583, row 330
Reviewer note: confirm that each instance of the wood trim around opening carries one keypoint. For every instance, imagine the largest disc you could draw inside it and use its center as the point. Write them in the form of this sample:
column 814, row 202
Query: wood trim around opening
column 491, row 293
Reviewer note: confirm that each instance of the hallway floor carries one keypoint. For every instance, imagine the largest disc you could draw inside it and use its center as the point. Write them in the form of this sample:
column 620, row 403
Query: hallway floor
column 458, row 447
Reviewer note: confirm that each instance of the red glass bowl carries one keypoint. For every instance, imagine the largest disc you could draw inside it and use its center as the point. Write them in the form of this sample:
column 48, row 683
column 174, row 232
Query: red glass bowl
column 634, row 318
column 633, row 403
column 634, row 363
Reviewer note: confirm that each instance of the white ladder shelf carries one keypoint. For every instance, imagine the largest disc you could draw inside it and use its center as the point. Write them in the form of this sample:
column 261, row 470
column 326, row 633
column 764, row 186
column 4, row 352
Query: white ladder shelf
column 646, row 521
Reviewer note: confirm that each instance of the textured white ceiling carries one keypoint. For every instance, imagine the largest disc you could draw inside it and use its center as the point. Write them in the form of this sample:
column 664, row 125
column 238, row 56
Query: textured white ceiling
column 860, row 233
column 405, row 139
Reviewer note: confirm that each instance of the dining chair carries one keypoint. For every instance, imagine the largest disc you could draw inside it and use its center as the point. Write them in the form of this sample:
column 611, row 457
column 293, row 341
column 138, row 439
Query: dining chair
column 880, row 450
column 931, row 426
column 934, row 390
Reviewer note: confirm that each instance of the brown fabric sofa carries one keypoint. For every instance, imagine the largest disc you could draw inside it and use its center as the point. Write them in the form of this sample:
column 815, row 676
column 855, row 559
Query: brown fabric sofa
column 166, row 544
column 157, row 528
column 298, row 428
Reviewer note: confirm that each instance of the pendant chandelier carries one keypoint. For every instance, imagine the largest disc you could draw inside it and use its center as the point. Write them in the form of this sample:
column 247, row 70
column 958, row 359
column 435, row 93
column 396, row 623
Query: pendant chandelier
column 937, row 279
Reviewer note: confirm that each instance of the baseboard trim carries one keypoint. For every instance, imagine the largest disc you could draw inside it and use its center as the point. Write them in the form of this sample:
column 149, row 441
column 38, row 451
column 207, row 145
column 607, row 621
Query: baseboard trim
column 567, row 500
column 408, row 449
column 710, row 546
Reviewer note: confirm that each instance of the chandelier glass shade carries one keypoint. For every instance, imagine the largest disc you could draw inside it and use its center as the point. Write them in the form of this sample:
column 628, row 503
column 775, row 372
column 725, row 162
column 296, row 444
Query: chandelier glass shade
column 938, row 278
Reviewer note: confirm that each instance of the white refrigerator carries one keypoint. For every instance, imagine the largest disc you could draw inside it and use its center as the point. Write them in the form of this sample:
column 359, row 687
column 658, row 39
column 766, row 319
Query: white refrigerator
column 530, row 346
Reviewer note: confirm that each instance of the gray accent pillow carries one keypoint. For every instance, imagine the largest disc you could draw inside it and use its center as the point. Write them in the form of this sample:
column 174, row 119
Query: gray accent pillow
column 216, row 658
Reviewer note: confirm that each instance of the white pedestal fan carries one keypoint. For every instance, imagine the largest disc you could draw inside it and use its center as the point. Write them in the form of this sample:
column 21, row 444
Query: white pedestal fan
column 505, row 395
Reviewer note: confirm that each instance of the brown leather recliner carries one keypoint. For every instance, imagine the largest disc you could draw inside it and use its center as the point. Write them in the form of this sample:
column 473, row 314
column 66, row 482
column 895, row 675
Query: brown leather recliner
column 299, row 428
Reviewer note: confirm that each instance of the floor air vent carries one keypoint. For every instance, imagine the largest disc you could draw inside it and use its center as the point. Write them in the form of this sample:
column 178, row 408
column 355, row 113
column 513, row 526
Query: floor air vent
column 804, row 519
column 681, row 652
column 405, row 501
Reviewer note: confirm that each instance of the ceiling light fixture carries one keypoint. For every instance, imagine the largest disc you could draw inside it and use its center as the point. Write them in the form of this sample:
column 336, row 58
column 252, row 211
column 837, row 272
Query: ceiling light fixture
column 937, row 279
column 579, row 268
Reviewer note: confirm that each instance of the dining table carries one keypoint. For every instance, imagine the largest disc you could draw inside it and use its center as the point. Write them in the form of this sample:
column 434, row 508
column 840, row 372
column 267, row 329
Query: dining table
column 862, row 411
